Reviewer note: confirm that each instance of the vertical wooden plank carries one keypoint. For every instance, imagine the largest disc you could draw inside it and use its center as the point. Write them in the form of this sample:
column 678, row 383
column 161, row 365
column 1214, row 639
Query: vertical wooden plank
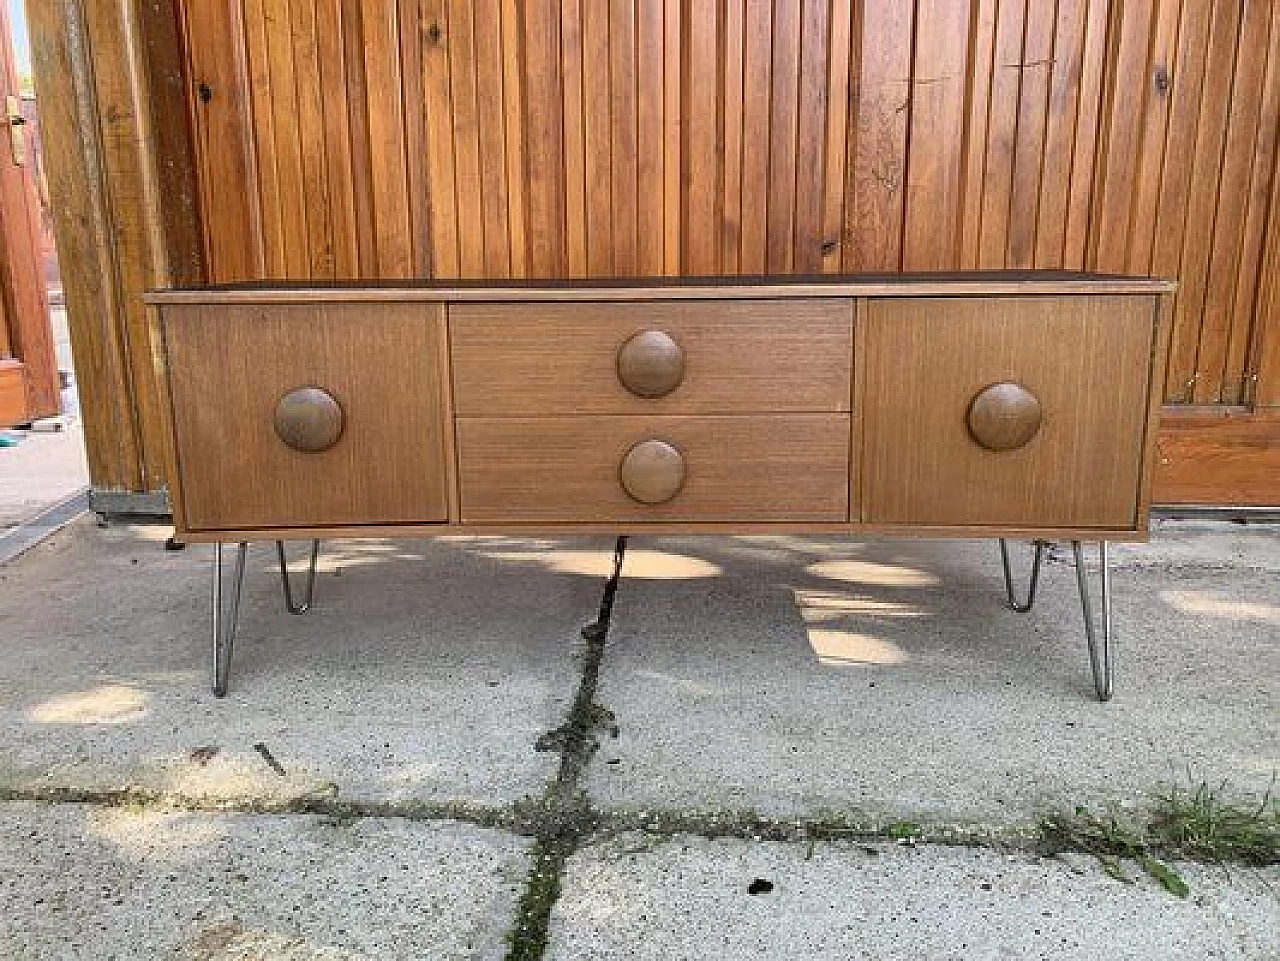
column 75, row 168
column 672, row 138
column 274, row 263
column 757, row 82
column 624, row 181
column 1087, row 131
column 1251, row 318
column 701, row 154
column 981, row 74
column 130, row 161
column 544, row 99
column 1171, row 213
column 876, row 186
column 575, row 144
column 312, row 139
column 1189, row 331
column 1122, row 135
column 1035, row 66
column 1265, row 355
column 513, row 118
column 437, row 109
column 624, row 173
column 415, row 135
column 466, row 138
column 1155, row 124
column 337, row 139
column 222, row 124
column 1002, row 134
column 358, row 119
column 393, row 235
column 811, row 124
column 1059, row 137
column 491, row 120
column 597, row 132
column 287, row 140
column 931, row 223
column 839, row 106
column 649, row 135
column 1218, row 382
column 783, row 132
column 731, row 123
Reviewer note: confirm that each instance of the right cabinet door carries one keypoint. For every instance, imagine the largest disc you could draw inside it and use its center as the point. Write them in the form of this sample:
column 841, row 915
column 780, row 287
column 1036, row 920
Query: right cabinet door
column 1005, row 412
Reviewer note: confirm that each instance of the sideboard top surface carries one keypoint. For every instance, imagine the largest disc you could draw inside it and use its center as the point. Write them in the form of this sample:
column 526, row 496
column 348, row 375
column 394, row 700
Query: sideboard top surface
column 962, row 284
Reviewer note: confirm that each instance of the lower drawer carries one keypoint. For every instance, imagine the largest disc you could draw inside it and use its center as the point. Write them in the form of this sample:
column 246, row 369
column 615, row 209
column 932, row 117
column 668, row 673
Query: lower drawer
column 792, row 467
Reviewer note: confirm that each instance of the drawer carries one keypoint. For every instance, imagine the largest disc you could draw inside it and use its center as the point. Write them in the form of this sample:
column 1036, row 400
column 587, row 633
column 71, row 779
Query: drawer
column 1024, row 412
column 791, row 467
column 308, row 415
column 686, row 357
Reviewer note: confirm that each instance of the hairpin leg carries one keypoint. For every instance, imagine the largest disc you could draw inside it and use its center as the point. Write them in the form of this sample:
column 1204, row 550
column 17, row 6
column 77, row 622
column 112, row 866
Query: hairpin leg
column 1099, row 645
column 224, row 622
column 1008, row 577
column 305, row 605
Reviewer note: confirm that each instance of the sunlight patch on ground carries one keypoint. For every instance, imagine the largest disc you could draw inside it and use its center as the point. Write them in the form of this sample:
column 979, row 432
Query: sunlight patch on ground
column 836, row 647
column 1202, row 602
column 108, row 704
column 155, row 835
column 866, row 572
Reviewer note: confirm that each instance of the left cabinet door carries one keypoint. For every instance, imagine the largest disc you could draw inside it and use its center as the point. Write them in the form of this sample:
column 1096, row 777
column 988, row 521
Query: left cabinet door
column 307, row 415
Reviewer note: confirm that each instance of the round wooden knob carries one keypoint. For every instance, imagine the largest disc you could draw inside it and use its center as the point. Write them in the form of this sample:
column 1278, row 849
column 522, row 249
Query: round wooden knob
column 652, row 472
column 1004, row 416
column 651, row 364
column 309, row 419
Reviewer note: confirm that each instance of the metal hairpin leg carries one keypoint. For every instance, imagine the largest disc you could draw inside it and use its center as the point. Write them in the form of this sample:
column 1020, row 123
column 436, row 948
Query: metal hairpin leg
column 288, row 587
column 224, row 623
column 1099, row 646
column 1008, row 577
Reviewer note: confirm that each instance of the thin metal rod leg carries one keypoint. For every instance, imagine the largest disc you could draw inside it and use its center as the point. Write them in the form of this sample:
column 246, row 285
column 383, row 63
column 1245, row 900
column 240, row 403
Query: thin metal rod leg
column 1099, row 643
column 290, row 605
column 224, row 622
column 1014, row 605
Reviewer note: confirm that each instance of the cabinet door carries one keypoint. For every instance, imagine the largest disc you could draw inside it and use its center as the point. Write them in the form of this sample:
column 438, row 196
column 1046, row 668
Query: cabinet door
column 362, row 443
column 1081, row 365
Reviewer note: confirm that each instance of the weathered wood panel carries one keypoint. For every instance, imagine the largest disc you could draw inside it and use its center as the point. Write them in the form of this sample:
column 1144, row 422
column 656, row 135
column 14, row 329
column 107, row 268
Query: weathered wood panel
column 486, row 138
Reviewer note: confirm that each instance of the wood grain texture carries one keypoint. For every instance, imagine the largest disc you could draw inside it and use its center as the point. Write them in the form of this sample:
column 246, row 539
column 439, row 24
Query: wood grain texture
column 83, row 227
column 739, row 357
column 1079, row 133
column 13, row 392
column 640, row 137
column 1208, row 457
column 229, row 366
column 779, row 468
column 925, row 362
column 24, row 304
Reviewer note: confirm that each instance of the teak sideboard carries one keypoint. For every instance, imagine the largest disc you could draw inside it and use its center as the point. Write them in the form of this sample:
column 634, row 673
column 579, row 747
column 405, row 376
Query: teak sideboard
column 979, row 405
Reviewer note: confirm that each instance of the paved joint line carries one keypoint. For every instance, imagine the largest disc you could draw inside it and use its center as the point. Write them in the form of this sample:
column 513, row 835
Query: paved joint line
column 513, row 818
column 568, row 820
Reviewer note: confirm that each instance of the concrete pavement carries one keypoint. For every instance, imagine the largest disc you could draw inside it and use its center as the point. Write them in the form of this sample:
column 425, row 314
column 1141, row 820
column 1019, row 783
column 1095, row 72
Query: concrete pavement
column 748, row 691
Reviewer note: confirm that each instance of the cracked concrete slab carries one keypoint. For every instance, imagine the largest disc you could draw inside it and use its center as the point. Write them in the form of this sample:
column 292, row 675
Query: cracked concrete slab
column 426, row 671
column 688, row 898
column 818, row 677
column 88, row 883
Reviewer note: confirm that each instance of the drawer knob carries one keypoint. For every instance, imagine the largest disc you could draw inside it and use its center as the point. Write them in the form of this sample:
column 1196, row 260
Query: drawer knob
column 309, row 419
column 651, row 364
column 652, row 472
column 1004, row 416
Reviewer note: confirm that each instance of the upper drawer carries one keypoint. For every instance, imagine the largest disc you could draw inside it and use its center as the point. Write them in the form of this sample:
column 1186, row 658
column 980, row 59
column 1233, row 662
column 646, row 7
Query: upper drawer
column 708, row 357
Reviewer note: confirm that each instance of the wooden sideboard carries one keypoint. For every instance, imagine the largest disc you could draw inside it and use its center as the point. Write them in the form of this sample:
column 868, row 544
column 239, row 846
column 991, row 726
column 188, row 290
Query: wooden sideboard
column 998, row 405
